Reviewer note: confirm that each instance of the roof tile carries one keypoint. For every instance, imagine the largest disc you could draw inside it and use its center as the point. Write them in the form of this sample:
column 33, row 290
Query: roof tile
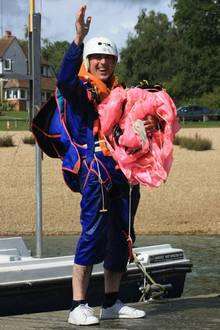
column 47, row 84
column 5, row 43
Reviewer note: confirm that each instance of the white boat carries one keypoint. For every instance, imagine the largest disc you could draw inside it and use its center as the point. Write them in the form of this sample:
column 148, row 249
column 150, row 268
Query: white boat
column 29, row 284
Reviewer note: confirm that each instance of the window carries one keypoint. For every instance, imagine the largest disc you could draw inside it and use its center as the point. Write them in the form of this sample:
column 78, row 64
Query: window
column 15, row 94
column 22, row 94
column 7, row 64
column 44, row 71
column 8, row 94
column 11, row 94
column 49, row 72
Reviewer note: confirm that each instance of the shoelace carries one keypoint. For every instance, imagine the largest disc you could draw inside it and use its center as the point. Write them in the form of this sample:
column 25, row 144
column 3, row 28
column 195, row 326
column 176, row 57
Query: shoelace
column 88, row 310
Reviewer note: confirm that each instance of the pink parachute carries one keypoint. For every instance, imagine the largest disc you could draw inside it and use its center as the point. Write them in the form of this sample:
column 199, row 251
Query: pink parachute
column 144, row 157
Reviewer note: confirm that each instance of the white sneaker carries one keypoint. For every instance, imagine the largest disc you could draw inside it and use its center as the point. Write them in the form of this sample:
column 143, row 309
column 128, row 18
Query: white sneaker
column 121, row 311
column 82, row 315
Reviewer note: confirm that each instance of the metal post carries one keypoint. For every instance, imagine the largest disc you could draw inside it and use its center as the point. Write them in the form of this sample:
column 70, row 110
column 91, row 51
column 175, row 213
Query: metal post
column 36, row 76
column 30, row 96
column 1, row 88
column 30, row 55
column 31, row 13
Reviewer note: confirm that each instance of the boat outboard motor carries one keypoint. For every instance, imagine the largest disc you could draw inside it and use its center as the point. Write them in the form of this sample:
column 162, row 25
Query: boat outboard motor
column 151, row 289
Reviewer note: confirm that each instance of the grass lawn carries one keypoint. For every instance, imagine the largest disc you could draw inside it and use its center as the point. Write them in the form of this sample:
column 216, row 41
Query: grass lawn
column 14, row 115
column 18, row 121
column 201, row 124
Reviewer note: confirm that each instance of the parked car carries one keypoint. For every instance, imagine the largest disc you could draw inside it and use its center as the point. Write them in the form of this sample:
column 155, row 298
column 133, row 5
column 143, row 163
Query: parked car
column 192, row 112
column 215, row 114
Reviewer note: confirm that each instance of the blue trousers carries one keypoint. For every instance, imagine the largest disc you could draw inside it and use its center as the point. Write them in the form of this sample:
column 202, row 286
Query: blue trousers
column 103, row 236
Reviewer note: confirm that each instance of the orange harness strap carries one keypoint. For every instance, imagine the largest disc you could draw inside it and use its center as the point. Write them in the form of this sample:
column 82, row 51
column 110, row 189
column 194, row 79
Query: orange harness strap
column 103, row 91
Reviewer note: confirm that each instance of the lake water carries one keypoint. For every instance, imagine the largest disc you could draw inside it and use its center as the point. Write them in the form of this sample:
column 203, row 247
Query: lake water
column 203, row 251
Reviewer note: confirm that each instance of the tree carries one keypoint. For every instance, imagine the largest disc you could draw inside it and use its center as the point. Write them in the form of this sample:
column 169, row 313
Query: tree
column 54, row 52
column 149, row 53
column 183, row 55
column 198, row 21
column 197, row 26
column 26, row 32
column 211, row 100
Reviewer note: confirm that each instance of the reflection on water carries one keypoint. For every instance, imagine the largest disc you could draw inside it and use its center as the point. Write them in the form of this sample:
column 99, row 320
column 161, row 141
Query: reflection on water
column 203, row 251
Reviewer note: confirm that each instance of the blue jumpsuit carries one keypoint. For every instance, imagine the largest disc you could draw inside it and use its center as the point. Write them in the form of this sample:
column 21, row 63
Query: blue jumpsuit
column 103, row 236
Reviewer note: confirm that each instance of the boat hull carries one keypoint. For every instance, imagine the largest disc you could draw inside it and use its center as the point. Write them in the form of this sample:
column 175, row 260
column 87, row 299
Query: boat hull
column 29, row 285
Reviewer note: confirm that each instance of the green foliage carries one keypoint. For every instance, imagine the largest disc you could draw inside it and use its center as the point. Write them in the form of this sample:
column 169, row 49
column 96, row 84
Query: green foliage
column 211, row 99
column 6, row 141
column 183, row 56
column 197, row 22
column 148, row 53
column 24, row 45
column 54, row 52
column 26, row 32
column 198, row 52
column 6, row 106
column 193, row 143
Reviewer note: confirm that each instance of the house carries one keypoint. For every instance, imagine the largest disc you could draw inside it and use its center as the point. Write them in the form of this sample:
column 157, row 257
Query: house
column 14, row 83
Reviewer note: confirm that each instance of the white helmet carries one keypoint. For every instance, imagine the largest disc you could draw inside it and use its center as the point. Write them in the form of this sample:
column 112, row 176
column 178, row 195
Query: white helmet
column 99, row 45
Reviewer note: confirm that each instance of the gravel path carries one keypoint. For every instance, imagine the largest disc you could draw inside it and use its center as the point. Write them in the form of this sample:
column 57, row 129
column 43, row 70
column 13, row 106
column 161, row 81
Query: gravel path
column 188, row 203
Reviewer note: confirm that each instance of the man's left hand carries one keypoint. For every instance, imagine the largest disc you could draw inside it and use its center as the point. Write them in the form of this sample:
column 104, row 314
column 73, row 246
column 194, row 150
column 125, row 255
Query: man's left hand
column 151, row 123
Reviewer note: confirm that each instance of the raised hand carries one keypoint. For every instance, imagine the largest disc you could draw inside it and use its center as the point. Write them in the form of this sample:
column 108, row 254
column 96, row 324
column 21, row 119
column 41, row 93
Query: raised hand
column 82, row 25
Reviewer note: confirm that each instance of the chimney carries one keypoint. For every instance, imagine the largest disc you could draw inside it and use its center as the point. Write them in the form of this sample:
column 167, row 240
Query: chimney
column 8, row 34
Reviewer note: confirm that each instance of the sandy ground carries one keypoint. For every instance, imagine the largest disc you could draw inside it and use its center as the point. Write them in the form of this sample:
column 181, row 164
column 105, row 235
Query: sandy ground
column 188, row 203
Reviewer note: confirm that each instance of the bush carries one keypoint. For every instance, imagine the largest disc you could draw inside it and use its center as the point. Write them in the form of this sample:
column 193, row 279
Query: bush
column 193, row 143
column 6, row 141
column 6, row 106
column 29, row 140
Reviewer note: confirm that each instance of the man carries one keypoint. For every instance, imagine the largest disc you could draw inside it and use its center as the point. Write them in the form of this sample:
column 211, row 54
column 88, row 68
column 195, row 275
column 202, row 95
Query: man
column 104, row 189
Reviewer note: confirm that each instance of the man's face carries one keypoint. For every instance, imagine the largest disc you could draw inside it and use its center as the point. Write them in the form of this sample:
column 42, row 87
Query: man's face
column 102, row 66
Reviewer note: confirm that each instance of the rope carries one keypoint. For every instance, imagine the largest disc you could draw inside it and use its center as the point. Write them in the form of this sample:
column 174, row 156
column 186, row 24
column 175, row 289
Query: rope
column 133, row 256
column 128, row 236
column 129, row 210
column 103, row 209
column 146, row 286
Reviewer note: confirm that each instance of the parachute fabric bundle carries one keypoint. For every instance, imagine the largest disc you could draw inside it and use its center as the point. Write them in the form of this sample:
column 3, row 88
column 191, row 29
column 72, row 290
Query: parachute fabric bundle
column 144, row 157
